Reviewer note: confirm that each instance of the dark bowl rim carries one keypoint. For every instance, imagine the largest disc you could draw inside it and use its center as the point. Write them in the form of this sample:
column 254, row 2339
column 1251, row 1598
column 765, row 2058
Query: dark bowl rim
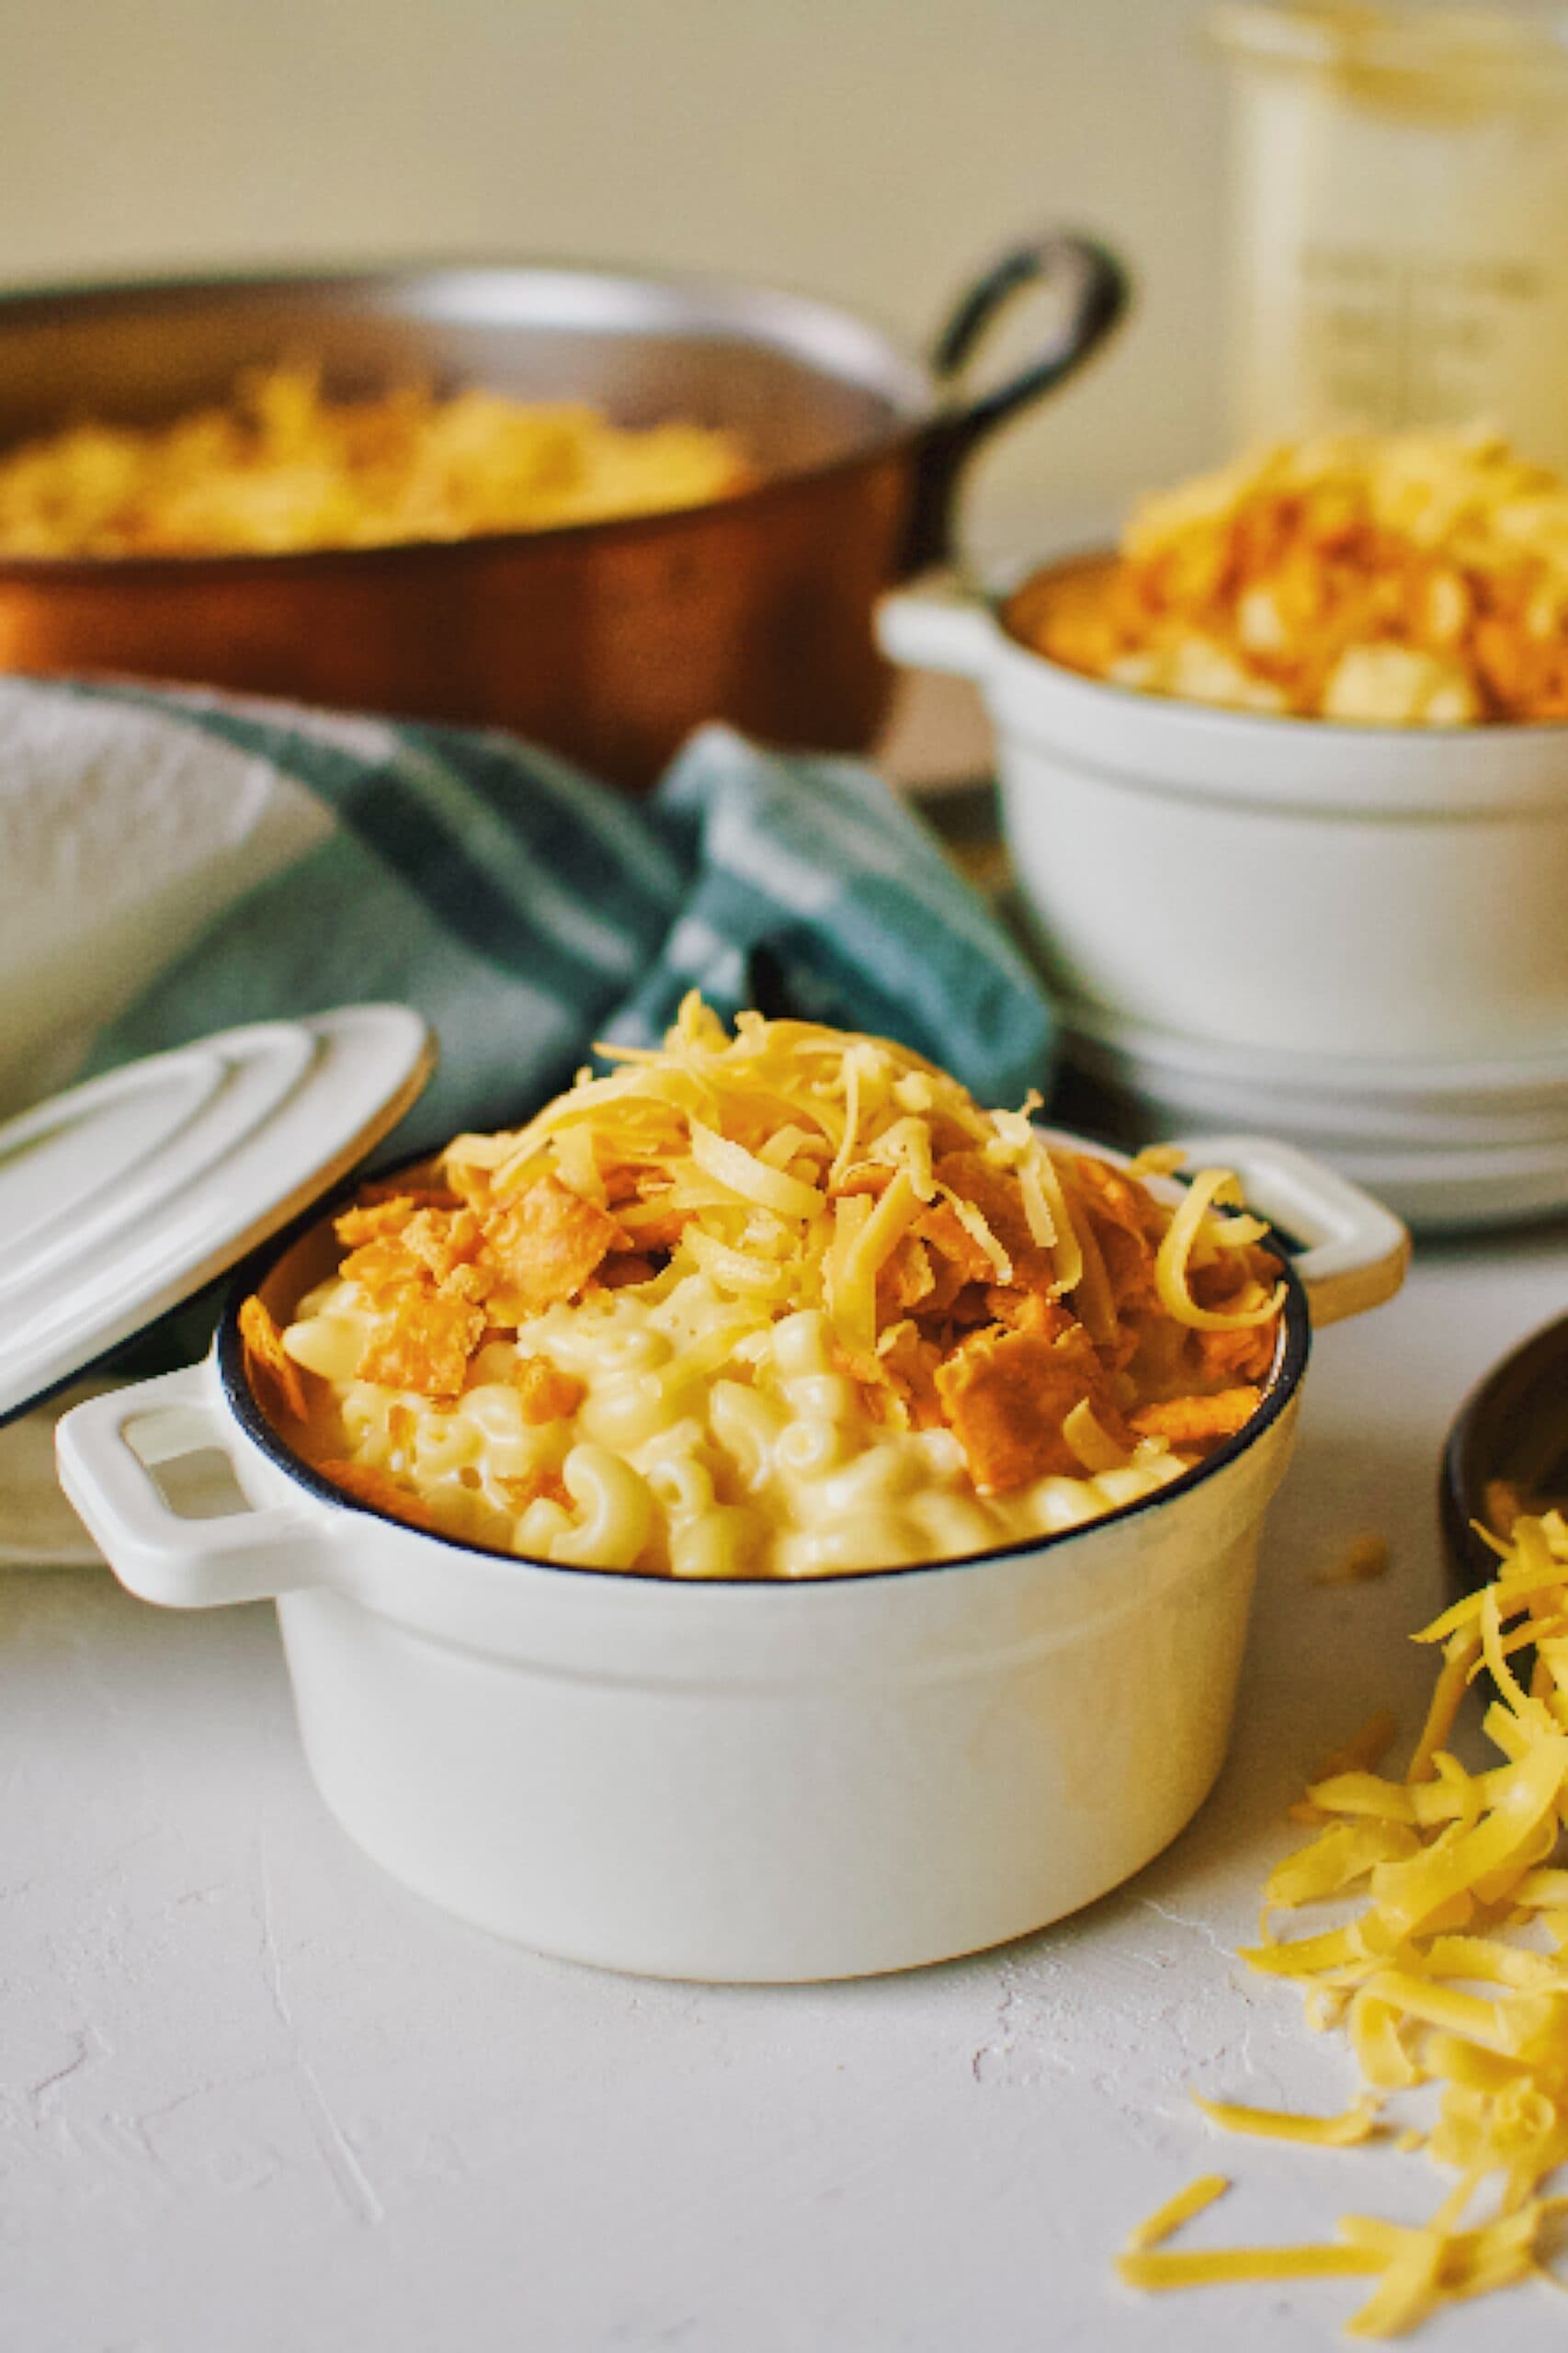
column 901, row 430
column 1185, row 712
column 1284, row 1381
column 1472, row 1561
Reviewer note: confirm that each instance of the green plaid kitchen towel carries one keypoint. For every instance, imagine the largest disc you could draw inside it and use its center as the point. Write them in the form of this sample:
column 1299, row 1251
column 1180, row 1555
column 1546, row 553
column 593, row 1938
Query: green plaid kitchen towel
column 523, row 909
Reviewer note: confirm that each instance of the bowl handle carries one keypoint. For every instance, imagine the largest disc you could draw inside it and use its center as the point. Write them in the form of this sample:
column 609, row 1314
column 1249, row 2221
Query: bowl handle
column 184, row 1564
column 936, row 625
column 1095, row 289
column 1355, row 1251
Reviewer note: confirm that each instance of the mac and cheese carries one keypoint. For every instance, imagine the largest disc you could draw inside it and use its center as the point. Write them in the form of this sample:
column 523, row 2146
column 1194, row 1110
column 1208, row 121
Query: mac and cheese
column 782, row 1305
column 282, row 467
column 1400, row 580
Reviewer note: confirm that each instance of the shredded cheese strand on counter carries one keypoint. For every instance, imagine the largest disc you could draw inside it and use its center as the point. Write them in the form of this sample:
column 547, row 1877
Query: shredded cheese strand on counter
column 1452, row 1975
column 1357, row 2123
column 1166, row 2220
column 1218, row 2267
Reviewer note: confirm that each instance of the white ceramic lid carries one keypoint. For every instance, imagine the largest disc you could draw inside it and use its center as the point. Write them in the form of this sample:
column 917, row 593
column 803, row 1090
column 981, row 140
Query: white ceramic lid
column 125, row 1196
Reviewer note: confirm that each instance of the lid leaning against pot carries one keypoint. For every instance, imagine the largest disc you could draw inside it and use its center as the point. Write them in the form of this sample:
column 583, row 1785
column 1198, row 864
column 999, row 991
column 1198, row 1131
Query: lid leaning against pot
column 125, row 1196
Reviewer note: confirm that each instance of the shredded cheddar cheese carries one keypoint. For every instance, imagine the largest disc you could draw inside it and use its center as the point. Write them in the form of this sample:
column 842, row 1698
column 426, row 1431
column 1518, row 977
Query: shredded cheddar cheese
column 1216, row 2267
column 1357, row 2123
column 1167, row 2219
column 1452, row 1973
column 1210, row 1189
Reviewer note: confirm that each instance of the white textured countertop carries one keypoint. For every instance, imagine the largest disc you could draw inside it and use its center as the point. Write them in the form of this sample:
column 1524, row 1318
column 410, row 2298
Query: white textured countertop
column 255, row 2096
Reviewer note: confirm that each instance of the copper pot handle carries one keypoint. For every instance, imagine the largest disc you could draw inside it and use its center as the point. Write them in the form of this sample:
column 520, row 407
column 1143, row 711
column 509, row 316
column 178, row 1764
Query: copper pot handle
column 1098, row 290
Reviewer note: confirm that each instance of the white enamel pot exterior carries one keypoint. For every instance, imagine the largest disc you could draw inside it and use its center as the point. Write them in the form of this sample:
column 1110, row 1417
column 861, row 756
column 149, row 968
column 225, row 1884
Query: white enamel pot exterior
column 749, row 1780
column 1285, row 883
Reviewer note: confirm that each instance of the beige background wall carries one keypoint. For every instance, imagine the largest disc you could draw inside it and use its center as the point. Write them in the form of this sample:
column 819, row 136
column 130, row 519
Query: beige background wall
column 874, row 151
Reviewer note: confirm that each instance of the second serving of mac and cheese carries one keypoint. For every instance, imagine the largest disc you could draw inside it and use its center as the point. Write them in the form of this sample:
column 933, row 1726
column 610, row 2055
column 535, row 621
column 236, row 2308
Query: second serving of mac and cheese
column 782, row 1304
column 282, row 466
column 1401, row 579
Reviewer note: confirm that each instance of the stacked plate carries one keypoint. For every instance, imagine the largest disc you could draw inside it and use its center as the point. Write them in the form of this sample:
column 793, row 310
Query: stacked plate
column 1446, row 1144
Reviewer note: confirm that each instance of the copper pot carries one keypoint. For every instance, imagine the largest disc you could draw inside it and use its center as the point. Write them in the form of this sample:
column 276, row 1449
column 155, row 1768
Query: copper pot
column 607, row 641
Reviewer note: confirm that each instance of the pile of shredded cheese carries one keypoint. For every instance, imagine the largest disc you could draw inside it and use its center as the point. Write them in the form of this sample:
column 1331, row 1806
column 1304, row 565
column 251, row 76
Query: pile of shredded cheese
column 1451, row 1973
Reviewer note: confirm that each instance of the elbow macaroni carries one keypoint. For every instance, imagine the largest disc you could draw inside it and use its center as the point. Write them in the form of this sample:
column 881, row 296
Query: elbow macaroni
column 774, row 1469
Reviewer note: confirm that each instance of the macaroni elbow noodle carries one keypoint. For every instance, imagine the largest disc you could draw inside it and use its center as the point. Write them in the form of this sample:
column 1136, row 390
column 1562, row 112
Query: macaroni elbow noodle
column 616, row 1507
column 785, row 1303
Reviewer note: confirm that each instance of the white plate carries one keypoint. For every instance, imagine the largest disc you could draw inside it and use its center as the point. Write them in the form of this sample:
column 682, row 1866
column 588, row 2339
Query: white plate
column 1469, row 1169
column 125, row 1196
column 1442, row 1190
column 1320, row 1120
column 1434, row 1190
column 1524, row 1087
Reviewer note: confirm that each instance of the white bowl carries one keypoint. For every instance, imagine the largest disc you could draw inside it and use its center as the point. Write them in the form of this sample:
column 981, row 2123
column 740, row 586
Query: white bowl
column 746, row 1779
column 1503, row 1087
column 1288, row 883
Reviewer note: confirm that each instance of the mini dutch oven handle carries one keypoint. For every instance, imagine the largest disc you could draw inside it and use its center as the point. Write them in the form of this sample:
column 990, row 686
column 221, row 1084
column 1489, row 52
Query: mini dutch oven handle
column 107, row 1450
column 1095, row 289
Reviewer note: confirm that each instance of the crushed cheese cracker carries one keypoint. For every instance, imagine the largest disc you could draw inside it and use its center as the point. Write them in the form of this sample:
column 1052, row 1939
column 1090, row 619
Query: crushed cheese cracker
column 271, row 1370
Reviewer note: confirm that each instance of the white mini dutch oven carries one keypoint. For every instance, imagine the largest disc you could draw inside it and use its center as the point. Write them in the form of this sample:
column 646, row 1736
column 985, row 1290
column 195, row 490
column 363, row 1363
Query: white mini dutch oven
column 1295, row 884
column 741, row 1780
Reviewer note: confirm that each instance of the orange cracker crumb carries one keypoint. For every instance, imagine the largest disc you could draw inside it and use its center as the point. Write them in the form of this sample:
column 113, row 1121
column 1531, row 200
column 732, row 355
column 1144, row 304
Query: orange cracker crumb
column 1006, row 1397
column 548, row 1393
column 1196, row 1421
column 424, row 1344
column 547, row 1244
column 268, row 1363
